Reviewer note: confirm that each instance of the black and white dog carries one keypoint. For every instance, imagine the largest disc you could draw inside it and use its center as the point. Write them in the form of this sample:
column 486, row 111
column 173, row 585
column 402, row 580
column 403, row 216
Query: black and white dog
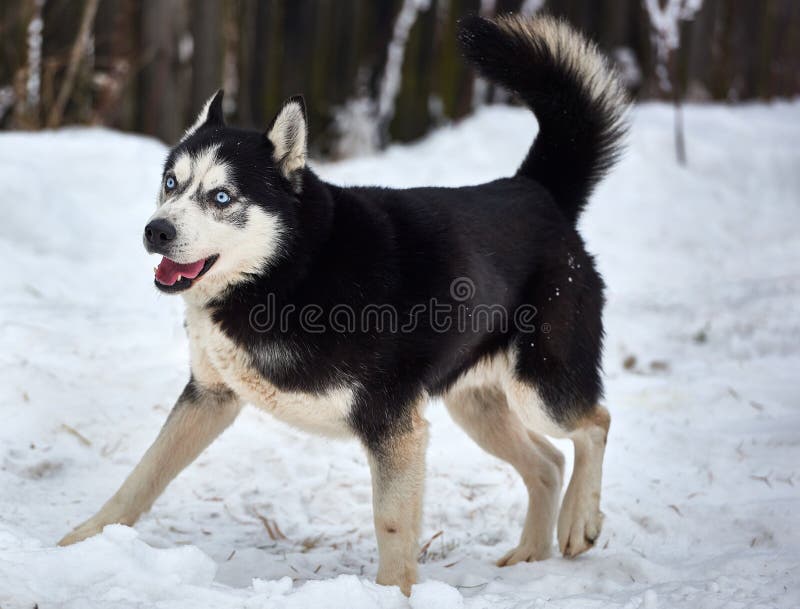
column 269, row 259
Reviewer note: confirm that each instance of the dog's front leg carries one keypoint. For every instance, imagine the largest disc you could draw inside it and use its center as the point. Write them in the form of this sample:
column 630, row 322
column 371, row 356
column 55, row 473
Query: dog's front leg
column 199, row 416
column 398, row 473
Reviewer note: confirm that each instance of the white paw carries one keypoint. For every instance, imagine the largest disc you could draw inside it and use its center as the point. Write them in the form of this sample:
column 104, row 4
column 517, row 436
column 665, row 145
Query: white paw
column 79, row 533
column 579, row 524
column 525, row 552
column 404, row 577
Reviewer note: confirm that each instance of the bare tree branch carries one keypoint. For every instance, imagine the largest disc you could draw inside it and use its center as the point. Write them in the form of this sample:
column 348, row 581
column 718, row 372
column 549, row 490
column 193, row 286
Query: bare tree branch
column 78, row 50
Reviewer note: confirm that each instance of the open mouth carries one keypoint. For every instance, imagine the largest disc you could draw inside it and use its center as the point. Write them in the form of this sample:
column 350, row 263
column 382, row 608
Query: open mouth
column 173, row 276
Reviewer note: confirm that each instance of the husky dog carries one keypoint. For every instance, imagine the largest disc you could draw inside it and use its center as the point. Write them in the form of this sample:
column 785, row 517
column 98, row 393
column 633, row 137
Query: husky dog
column 244, row 225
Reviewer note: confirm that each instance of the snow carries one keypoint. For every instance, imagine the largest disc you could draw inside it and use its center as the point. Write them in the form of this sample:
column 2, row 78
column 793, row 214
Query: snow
column 700, row 486
column 392, row 74
column 665, row 22
column 33, row 83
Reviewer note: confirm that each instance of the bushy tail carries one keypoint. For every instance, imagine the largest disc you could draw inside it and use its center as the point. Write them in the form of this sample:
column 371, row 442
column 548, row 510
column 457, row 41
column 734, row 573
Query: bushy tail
column 574, row 92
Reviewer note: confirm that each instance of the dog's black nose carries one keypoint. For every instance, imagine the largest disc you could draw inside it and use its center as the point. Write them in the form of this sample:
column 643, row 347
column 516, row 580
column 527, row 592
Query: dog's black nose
column 159, row 232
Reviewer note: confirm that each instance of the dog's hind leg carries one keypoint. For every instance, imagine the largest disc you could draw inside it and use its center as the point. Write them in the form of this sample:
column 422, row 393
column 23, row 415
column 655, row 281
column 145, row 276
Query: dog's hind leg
column 198, row 417
column 484, row 414
column 580, row 520
column 398, row 477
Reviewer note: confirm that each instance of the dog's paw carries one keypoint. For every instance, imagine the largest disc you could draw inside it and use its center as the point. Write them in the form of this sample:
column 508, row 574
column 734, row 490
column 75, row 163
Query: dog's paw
column 579, row 525
column 525, row 552
column 404, row 577
column 84, row 531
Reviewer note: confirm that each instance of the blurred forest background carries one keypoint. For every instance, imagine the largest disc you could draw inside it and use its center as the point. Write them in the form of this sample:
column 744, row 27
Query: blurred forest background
column 372, row 71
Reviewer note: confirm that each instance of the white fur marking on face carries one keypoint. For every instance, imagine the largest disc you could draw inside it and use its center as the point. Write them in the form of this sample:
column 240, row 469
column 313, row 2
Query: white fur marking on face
column 288, row 135
column 200, row 171
column 243, row 250
column 215, row 177
column 250, row 248
column 206, row 167
column 204, row 170
column 182, row 168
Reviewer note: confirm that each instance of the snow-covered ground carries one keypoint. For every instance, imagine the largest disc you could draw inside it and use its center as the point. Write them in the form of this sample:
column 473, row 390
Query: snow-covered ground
column 702, row 476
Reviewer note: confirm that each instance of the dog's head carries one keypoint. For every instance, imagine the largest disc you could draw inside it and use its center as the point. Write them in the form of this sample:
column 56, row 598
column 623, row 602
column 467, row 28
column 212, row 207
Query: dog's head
column 227, row 199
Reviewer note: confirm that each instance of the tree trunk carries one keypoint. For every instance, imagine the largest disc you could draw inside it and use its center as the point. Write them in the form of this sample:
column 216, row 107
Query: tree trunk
column 207, row 55
column 160, row 111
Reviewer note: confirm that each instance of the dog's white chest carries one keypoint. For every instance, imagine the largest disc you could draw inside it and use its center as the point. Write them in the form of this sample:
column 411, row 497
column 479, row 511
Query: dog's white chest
column 217, row 359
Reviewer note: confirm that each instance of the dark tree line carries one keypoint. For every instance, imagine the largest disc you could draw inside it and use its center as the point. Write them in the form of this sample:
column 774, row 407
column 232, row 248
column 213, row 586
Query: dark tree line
column 148, row 65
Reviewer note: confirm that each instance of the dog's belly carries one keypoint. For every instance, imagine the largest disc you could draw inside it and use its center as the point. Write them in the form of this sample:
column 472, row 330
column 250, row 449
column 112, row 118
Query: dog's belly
column 523, row 398
column 217, row 359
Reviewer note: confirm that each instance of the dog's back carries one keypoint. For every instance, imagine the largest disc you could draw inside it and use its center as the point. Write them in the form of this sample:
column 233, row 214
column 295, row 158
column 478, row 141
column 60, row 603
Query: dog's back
column 513, row 240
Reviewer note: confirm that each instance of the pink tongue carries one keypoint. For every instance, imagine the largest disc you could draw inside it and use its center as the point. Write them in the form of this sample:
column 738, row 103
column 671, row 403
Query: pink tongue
column 168, row 270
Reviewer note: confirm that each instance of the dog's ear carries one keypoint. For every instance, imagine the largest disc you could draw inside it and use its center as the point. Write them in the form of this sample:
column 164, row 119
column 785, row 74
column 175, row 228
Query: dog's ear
column 210, row 115
column 288, row 133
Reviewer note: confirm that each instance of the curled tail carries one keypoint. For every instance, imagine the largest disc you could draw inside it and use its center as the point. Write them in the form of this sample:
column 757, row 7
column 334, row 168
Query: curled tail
column 571, row 88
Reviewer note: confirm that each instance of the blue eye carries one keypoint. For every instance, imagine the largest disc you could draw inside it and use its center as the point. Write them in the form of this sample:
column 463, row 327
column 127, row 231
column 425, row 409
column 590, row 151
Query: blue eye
column 170, row 183
column 222, row 197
